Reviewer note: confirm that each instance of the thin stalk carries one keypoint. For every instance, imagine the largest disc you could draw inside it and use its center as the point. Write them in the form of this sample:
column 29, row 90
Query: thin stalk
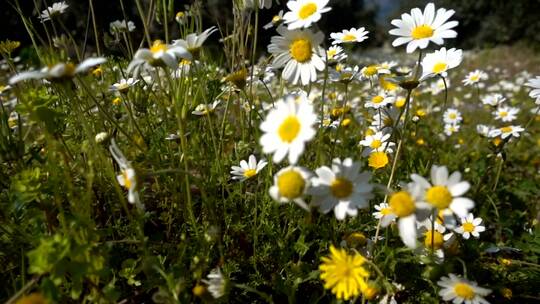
column 96, row 37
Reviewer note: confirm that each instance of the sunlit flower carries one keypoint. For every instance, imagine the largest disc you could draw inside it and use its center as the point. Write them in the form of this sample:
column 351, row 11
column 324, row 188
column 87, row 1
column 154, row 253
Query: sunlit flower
column 299, row 52
column 59, row 71
column 276, row 20
column 336, row 54
column 303, row 13
column 127, row 178
column 379, row 100
column 290, row 185
column 419, row 28
column 342, row 188
column 56, row 9
column 344, row 273
column 123, row 85
column 216, row 283
column 378, row 160
column 181, row 17
column 506, row 131
column 493, row 100
column 483, row 130
column 159, row 55
column 440, row 61
column 459, row 290
column 349, row 36
column 470, row 226
column 249, row 169
column 534, row 83
column 384, row 214
column 452, row 116
column 474, row 77
column 193, row 42
column 377, row 142
column 451, row 128
column 505, row 113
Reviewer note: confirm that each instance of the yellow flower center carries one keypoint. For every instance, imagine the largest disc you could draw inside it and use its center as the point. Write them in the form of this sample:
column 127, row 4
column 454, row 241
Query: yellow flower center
column 158, row 46
column 377, row 99
column 378, row 160
column 503, row 113
column 464, row 290
column 341, row 187
column 375, row 144
column 346, row 122
column 439, row 67
column 468, row 227
column 180, row 15
column 116, row 101
column 331, row 53
column 387, row 85
column 300, row 50
column 475, row 77
column 439, row 196
column 291, row 184
column 127, row 181
column 386, row 211
column 422, row 31
column 250, row 173
column 349, row 38
column 289, row 129
column 506, row 129
column 452, row 116
column 400, row 102
column 402, row 204
column 307, row 10
column 437, row 237
column 370, row 70
column 276, row 19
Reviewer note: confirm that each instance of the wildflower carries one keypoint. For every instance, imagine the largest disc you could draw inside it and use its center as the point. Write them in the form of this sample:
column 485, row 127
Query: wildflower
column 216, row 283
column 290, row 184
column 159, row 55
column 117, row 27
column 460, row 290
column 199, row 290
column 384, row 214
column 419, row 28
column 534, row 83
column 180, row 17
column 304, row 12
column 344, row 273
column 238, row 78
column 127, row 178
column 493, row 100
column 276, row 20
column 451, row 128
column 438, row 62
column 483, row 130
column 452, row 116
column 349, row 36
column 379, row 100
column 249, row 169
column 505, row 113
column 287, row 128
column 116, row 101
column 193, row 42
column 299, row 52
column 59, row 71
column 335, row 54
column 377, row 142
column 435, row 240
column 101, row 137
column 205, row 109
column 342, row 188
column 56, row 9
column 444, row 191
column 370, row 71
column 370, row 291
column 506, row 131
column 8, row 46
column 470, row 226
column 123, row 85
column 475, row 77
column 378, row 160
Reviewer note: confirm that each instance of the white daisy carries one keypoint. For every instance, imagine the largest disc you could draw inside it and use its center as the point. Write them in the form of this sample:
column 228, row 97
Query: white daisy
column 534, row 83
column 127, row 178
column 123, row 85
column 299, row 52
column 216, row 283
column 493, row 100
column 505, row 113
column 452, row 116
column 249, row 169
column 474, row 77
column 384, row 214
column 504, row 132
column 342, row 188
column 291, row 184
column 193, row 42
column 377, row 142
column 56, row 9
column 379, row 100
column 438, row 62
column 205, row 109
column 59, row 71
column 287, row 128
column 459, row 290
column 303, row 13
column 419, row 28
column 335, row 53
column 444, row 191
column 349, row 36
column 118, row 26
column 470, row 226
column 451, row 128
column 159, row 55
column 483, row 130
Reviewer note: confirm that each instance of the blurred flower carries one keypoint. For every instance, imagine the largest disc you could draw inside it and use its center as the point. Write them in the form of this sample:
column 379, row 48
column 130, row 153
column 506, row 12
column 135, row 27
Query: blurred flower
column 159, row 55
column 504, row 132
column 59, row 71
column 127, row 178
column 56, row 9
column 123, row 85
column 249, row 169
column 276, row 20
column 216, row 283
column 475, row 77
column 205, row 109
column 349, row 36
column 290, row 184
column 193, row 42
column 118, row 26
column 452, row 116
column 459, row 290
column 493, row 100
column 505, row 113
column 534, row 83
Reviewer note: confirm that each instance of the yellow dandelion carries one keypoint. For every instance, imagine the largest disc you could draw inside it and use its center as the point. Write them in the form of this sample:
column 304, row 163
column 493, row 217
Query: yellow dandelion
column 378, row 160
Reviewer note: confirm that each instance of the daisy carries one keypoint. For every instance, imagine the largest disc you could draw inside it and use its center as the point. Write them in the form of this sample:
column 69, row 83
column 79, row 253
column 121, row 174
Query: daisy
column 459, row 290
column 118, row 26
column 451, row 128
column 205, row 109
column 452, row 116
column 470, row 226
column 159, row 55
column 58, row 72
column 444, row 191
column 304, row 12
column 335, row 54
column 419, row 28
column 435, row 238
column 475, row 77
column 56, row 9
column 379, row 100
column 287, row 128
column 504, row 132
column 344, row 273
column 299, row 52
column 349, row 36
column 377, row 142
column 123, row 85
column 438, row 62
column 483, row 130
column 290, row 184
column 505, row 113
column 216, row 283
column 193, row 42
column 127, row 178
column 249, row 169
column 276, row 20
column 534, row 83
column 493, row 100
column 342, row 188
column 384, row 214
